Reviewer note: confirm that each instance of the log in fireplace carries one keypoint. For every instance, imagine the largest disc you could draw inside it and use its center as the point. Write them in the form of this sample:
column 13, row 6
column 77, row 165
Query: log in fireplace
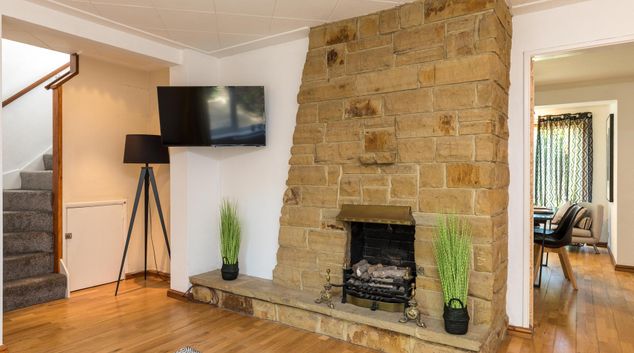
column 381, row 267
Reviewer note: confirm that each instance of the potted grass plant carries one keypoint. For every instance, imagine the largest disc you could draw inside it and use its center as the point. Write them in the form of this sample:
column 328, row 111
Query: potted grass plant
column 229, row 240
column 452, row 249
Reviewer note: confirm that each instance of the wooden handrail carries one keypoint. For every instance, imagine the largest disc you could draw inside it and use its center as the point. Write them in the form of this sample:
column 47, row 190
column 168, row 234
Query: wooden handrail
column 28, row 88
column 74, row 71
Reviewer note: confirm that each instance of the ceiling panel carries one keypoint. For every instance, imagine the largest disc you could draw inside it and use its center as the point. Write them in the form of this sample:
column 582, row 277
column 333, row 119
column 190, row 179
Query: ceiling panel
column 246, row 7
column 188, row 20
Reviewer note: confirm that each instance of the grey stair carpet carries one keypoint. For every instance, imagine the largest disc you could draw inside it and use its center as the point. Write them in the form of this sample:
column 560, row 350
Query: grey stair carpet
column 33, row 290
column 28, row 242
column 48, row 161
column 28, row 200
column 40, row 180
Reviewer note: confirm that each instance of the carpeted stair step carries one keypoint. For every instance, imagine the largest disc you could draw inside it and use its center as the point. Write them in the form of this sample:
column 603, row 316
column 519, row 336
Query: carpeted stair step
column 27, row 242
column 48, row 161
column 33, row 290
column 27, row 221
column 39, row 180
column 27, row 265
column 28, row 200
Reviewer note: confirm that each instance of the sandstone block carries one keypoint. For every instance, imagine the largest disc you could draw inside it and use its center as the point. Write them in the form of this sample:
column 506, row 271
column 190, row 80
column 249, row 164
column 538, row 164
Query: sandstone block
column 327, row 241
column 368, row 26
column 424, row 251
column 330, row 111
column 336, row 60
column 343, row 131
column 436, row 10
column 360, row 169
column 308, row 134
column 490, row 94
column 420, row 56
column 430, row 303
column 491, row 202
column 460, row 44
column 375, row 180
column 464, row 24
column 370, row 60
column 236, row 303
column 292, row 196
column 369, row 43
column 404, row 186
column 307, row 175
column 399, row 169
column 427, row 283
column 316, row 91
column 411, row 14
column 332, row 260
column 397, row 79
column 469, row 68
column 388, row 21
column 432, row 175
column 300, row 216
column 306, row 159
column 332, row 327
column 315, row 66
column 383, row 158
column 363, row 107
column 461, row 96
column 426, row 75
column 264, row 310
column 317, row 37
column 375, row 196
column 287, row 276
column 456, row 149
column 293, row 237
column 420, row 37
column 345, row 152
column 382, row 340
column 202, row 294
column 416, row 150
column 298, row 258
column 383, row 140
column 486, row 147
column 350, row 186
column 319, row 196
column 302, row 149
column 334, row 172
column 307, row 113
column 481, row 285
column 414, row 101
column 341, row 32
column 426, row 125
column 299, row 318
column 446, row 200
column 475, row 175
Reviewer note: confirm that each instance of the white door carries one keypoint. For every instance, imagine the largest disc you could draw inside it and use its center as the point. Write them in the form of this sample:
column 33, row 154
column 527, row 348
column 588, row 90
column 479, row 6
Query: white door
column 94, row 244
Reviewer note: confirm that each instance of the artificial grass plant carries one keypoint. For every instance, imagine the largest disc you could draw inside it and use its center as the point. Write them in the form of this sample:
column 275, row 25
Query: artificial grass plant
column 452, row 249
column 229, row 232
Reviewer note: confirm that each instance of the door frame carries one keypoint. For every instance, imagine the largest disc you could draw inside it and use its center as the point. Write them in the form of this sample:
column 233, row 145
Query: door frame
column 528, row 96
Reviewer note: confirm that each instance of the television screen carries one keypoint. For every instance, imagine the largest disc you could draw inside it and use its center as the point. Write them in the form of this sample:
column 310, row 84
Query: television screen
column 212, row 116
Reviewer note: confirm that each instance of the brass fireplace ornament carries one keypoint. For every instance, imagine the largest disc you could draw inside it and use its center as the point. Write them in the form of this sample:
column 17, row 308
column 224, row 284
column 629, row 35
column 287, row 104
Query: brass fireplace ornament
column 412, row 313
column 325, row 296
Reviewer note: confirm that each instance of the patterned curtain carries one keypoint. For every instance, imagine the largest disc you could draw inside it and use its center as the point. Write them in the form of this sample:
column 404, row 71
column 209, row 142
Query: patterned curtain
column 563, row 159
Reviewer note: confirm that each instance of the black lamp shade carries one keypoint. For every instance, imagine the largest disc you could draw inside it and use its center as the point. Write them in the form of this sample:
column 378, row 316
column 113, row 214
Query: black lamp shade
column 145, row 149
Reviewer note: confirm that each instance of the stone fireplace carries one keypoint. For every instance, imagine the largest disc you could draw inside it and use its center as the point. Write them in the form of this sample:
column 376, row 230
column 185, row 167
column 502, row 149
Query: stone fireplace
column 406, row 107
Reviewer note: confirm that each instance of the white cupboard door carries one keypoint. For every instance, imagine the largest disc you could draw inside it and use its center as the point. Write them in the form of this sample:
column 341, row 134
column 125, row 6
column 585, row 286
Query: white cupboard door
column 94, row 244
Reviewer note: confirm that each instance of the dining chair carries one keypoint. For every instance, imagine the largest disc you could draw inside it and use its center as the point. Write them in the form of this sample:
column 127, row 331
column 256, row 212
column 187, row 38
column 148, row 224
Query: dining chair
column 555, row 241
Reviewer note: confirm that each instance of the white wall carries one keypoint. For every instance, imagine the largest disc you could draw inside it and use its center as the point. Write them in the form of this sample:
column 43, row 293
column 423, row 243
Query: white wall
column 1, row 206
column 600, row 112
column 27, row 121
column 255, row 177
column 548, row 31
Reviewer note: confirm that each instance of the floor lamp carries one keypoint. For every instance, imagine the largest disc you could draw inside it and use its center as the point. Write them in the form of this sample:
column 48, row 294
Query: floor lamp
column 146, row 150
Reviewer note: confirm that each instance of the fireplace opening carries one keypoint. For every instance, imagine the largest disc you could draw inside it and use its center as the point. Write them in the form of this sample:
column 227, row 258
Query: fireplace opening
column 382, row 266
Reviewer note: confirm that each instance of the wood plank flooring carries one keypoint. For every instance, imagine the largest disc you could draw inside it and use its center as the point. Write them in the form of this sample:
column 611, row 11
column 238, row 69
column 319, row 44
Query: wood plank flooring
column 599, row 317
column 143, row 319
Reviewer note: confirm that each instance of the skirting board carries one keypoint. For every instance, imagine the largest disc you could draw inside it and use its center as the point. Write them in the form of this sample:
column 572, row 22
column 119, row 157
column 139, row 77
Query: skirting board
column 621, row 268
column 153, row 273
column 178, row 295
column 520, row 332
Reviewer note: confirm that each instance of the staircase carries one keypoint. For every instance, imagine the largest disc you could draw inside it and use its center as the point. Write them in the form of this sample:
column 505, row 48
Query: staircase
column 28, row 242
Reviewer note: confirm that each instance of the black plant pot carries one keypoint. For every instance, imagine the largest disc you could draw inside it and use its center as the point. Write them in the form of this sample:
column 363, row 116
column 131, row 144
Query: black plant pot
column 229, row 271
column 456, row 319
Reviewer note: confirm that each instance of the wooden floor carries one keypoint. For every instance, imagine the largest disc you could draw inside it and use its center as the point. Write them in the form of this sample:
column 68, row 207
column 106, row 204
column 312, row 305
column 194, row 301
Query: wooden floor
column 143, row 319
column 599, row 317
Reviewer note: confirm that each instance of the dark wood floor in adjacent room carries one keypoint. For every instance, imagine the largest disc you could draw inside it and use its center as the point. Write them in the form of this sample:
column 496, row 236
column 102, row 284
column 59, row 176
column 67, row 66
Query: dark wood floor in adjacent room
column 597, row 318
column 143, row 319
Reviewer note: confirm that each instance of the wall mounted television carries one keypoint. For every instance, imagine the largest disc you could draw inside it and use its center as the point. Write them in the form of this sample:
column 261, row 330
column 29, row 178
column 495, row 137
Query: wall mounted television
column 212, row 116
